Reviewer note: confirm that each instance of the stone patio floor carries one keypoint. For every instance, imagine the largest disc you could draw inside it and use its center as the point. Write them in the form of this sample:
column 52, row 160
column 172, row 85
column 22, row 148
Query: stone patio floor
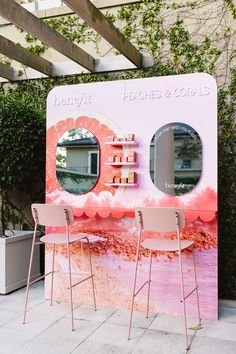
column 48, row 329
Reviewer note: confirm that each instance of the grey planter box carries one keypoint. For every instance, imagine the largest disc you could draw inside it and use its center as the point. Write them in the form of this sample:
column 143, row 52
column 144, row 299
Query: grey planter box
column 14, row 261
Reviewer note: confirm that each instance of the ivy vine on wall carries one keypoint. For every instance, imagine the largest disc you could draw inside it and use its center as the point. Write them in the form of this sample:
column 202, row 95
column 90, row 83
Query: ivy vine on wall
column 22, row 164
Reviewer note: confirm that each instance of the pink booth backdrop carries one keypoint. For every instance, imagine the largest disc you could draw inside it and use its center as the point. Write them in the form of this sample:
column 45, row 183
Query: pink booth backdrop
column 140, row 107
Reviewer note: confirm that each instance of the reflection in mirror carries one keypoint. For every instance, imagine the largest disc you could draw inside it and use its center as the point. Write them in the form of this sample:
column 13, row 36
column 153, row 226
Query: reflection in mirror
column 175, row 158
column 77, row 161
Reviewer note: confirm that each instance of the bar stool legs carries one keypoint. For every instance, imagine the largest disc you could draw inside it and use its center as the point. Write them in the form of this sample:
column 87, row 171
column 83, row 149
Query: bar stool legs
column 52, row 279
column 149, row 282
column 134, row 287
column 91, row 272
column 196, row 285
column 70, row 287
column 185, row 297
column 29, row 274
column 183, row 300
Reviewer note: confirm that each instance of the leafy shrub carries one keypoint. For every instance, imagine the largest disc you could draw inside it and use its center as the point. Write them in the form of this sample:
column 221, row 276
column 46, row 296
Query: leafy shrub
column 22, row 149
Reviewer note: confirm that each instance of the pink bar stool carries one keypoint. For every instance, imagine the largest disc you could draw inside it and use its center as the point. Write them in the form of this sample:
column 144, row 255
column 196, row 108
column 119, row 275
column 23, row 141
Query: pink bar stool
column 58, row 215
column 164, row 220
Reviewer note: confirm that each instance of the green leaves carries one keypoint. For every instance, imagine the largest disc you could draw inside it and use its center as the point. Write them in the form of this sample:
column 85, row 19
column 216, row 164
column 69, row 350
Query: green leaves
column 73, row 28
column 227, row 189
column 22, row 145
column 232, row 7
column 37, row 48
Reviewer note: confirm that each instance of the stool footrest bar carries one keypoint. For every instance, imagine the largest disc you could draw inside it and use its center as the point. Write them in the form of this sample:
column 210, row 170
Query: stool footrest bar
column 43, row 276
column 141, row 288
column 190, row 293
column 81, row 281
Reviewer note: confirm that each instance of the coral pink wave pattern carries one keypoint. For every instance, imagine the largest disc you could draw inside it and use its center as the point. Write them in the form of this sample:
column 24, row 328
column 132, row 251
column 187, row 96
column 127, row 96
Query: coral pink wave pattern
column 54, row 133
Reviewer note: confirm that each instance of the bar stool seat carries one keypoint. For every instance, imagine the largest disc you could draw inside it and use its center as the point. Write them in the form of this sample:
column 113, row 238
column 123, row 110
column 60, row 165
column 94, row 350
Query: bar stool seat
column 166, row 245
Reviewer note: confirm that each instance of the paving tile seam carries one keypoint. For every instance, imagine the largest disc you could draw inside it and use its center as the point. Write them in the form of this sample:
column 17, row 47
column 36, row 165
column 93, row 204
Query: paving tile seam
column 93, row 331
column 21, row 315
column 135, row 326
column 126, row 325
column 166, row 332
column 144, row 332
column 38, row 334
column 8, row 321
column 217, row 338
column 191, row 338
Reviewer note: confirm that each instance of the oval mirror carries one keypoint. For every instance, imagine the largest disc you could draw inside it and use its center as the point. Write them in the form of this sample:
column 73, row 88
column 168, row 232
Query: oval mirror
column 77, row 161
column 175, row 158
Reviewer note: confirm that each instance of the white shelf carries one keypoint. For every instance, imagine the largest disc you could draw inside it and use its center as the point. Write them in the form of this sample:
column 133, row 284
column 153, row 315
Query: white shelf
column 121, row 163
column 121, row 184
column 122, row 143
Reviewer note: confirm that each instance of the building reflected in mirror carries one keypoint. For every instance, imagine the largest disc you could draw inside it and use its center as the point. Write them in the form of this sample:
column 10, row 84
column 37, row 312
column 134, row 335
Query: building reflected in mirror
column 77, row 161
column 175, row 158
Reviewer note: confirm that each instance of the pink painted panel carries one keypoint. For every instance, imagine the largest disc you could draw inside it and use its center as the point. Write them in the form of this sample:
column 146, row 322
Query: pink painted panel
column 132, row 107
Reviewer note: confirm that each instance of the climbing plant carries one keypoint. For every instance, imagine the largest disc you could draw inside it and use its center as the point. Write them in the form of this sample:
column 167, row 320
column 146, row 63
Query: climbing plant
column 183, row 37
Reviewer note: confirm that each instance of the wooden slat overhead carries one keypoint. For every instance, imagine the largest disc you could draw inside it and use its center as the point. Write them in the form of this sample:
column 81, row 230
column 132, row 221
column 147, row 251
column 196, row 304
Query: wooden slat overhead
column 64, row 10
column 27, row 21
column 90, row 14
column 22, row 18
column 6, row 71
column 24, row 56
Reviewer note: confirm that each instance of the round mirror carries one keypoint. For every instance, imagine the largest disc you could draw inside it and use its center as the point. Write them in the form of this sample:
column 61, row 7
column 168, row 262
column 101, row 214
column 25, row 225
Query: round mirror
column 175, row 158
column 77, row 161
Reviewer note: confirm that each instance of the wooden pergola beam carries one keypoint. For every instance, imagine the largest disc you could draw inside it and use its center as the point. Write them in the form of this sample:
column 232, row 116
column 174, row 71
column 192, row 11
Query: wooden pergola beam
column 22, row 18
column 24, row 56
column 64, row 10
column 90, row 14
column 6, row 72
